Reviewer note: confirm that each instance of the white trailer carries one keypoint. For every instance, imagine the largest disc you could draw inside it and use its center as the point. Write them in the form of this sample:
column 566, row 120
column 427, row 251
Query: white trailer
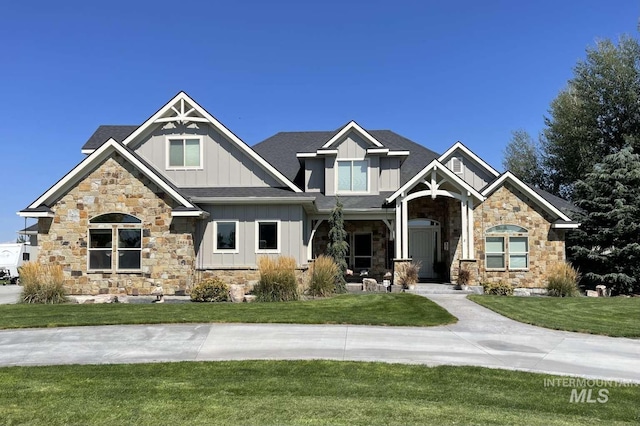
column 12, row 256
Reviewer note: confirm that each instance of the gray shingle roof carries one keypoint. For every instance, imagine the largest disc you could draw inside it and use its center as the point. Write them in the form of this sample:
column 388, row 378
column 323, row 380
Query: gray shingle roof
column 352, row 202
column 280, row 150
column 244, row 192
column 561, row 204
column 105, row 132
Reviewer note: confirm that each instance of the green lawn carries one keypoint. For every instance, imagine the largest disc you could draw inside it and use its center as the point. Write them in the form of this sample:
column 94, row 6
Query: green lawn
column 300, row 392
column 610, row 316
column 367, row 309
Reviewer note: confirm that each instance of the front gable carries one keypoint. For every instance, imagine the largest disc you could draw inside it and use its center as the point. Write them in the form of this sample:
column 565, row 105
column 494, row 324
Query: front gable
column 41, row 207
column 224, row 158
column 468, row 166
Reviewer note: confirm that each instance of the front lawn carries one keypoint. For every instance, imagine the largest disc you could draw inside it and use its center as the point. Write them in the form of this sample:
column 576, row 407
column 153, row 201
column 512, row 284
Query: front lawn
column 610, row 316
column 300, row 392
column 366, row 309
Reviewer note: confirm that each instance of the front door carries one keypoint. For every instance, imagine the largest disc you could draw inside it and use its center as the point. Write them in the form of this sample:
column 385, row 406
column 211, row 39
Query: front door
column 423, row 246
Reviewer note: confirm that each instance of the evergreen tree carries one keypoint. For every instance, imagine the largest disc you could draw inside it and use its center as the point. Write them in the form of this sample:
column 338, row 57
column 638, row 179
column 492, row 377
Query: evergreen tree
column 338, row 246
column 596, row 115
column 606, row 247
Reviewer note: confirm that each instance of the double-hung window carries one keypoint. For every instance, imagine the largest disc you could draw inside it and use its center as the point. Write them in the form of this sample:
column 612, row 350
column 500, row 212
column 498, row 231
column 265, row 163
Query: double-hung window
column 225, row 236
column 184, row 153
column 507, row 247
column 353, row 175
column 115, row 243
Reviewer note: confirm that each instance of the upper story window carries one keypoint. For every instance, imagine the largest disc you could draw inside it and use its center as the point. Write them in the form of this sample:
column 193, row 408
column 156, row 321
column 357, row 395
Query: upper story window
column 115, row 243
column 353, row 176
column 507, row 247
column 184, row 153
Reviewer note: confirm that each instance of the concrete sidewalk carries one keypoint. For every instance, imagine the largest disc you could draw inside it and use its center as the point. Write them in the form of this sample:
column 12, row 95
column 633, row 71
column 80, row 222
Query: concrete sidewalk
column 499, row 343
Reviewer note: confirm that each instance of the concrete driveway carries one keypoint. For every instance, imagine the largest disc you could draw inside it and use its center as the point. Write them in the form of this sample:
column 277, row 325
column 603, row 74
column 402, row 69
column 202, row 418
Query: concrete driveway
column 480, row 338
column 9, row 294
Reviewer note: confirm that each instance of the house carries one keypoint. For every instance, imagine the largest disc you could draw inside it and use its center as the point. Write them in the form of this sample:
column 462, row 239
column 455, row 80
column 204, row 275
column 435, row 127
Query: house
column 181, row 197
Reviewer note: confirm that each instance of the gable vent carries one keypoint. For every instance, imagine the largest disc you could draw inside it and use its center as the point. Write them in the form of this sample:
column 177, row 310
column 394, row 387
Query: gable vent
column 456, row 165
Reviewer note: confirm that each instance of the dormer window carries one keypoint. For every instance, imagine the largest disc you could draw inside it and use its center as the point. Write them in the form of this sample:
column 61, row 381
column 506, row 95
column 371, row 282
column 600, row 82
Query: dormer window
column 456, row 165
column 184, row 153
column 353, row 175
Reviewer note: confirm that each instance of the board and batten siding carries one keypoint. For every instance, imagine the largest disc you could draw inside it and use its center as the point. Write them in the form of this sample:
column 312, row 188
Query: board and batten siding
column 292, row 234
column 223, row 163
column 314, row 175
column 389, row 174
column 472, row 173
column 352, row 147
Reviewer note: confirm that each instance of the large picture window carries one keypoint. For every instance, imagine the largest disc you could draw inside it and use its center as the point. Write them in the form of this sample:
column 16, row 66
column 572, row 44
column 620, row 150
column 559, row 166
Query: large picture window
column 184, row 153
column 115, row 243
column 507, row 247
column 353, row 175
column 268, row 236
column 225, row 236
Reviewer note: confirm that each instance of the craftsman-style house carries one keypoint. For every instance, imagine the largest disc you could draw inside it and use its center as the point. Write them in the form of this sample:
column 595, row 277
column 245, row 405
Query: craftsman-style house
column 180, row 197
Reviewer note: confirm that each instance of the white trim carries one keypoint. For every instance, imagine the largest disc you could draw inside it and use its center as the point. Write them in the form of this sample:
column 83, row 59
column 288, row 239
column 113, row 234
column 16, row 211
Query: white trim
column 398, row 153
column 527, row 191
column 565, row 225
column 337, row 181
column 306, row 154
column 352, row 125
column 435, row 165
column 189, row 213
column 36, row 214
column 215, row 236
column 327, row 152
column 69, row 180
column 278, row 236
column 377, row 150
column 183, row 138
column 182, row 97
column 311, row 236
column 87, row 151
column 459, row 145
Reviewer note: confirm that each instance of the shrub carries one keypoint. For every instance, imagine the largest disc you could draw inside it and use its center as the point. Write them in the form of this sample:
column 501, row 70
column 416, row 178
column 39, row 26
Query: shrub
column 322, row 276
column 407, row 273
column 210, row 290
column 500, row 288
column 42, row 283
column 562, row 281
column 277, row 279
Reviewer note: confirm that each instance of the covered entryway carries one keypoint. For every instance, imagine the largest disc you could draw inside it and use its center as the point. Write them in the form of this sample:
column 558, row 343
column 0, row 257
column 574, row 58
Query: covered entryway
column 424, row 247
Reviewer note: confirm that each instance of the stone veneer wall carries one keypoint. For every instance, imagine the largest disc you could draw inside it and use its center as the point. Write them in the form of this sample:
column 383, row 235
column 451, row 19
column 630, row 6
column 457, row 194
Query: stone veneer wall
column 168, row 255
column 509, row 206
column 380, row 236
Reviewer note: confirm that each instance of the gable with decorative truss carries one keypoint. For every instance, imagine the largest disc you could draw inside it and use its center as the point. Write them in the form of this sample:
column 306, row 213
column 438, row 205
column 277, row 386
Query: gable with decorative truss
column 193, row 149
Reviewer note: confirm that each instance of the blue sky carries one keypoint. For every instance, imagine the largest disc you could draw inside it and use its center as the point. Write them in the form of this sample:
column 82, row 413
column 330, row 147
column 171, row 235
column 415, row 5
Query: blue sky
column 433, row 71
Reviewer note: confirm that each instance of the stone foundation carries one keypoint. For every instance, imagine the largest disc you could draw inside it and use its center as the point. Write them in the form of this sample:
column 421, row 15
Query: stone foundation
column 247, row 278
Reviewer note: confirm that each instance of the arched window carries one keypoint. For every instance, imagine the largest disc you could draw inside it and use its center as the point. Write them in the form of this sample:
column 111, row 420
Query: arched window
column 115, row 243
column 507, row 248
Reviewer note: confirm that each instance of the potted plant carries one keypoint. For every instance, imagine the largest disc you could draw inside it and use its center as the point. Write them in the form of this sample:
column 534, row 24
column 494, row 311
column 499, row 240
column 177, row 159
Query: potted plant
column 464, row 276
column 407, row 273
